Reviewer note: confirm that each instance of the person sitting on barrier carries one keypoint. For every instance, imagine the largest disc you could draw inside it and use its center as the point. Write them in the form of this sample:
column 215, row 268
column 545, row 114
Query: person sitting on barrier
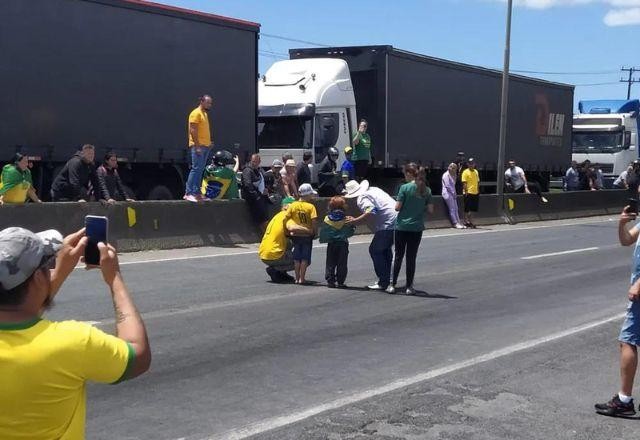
column 110, row 186
column 16, row 184
column 328, row 177
column 45, row 364
column 273, row 180
column 254, row 191
column 621, row 180
column 572, row 177
column 597, row 176
column 449, row 196
column 515, row 181
column 77, row 177
column 347, row 165
column 470, row 191
column 275, row 247
column 219, row 180
column 289, row 179
column 303, row 213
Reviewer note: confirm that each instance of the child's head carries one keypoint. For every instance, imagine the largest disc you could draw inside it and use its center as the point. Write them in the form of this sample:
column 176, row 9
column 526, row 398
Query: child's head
column 337, row 202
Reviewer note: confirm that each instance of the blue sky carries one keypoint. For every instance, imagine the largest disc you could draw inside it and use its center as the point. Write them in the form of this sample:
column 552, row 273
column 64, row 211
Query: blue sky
column 547, row 36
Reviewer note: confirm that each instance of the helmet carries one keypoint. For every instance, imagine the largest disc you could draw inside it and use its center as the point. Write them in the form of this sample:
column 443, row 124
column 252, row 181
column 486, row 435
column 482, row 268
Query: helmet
column 333, row 152
column 222, row 158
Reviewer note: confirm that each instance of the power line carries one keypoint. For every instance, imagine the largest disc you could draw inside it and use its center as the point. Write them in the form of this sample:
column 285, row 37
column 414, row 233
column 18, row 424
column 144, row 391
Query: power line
column 293, row 40
column 597, row 84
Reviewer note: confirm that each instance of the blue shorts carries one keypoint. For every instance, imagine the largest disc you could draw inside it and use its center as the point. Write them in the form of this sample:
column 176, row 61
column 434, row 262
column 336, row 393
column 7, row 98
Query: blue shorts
column 630, row 332
column 302, row 247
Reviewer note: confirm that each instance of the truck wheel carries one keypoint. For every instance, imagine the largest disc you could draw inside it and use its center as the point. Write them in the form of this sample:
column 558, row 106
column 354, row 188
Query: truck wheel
column 160, row 192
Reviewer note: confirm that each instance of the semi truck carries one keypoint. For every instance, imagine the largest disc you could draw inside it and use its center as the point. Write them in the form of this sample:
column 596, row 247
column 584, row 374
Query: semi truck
column 605, row 132
column 419, row 108
column 122, row 75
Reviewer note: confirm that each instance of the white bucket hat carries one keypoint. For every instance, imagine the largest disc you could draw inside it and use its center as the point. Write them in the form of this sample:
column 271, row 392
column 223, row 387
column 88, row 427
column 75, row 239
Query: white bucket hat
column 354, row 189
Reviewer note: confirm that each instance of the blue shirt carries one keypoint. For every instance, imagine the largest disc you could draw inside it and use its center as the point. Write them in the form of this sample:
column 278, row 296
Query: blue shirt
column 349, row 168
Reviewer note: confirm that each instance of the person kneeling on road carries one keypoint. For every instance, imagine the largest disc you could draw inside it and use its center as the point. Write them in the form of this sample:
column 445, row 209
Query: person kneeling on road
column 45, row 364
column 276, row 248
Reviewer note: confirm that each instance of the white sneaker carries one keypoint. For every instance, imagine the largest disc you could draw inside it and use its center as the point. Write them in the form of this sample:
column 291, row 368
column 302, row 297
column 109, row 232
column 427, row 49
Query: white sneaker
column 375, row 286
column 544, row 200
column 410, row 291
column 459, row 226
column 191, row 198
column 391, row 290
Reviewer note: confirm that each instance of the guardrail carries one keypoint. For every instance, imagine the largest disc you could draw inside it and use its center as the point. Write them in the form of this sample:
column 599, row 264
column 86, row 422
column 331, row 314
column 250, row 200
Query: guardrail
column 148, row 225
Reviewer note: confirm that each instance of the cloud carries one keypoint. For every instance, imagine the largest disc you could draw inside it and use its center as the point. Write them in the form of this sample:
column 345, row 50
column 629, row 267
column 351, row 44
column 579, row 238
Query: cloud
column 622, row 17
column 623, row 12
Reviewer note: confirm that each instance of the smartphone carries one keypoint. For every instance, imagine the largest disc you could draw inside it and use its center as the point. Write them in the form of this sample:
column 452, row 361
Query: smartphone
column 96, row 231
column 633, row 206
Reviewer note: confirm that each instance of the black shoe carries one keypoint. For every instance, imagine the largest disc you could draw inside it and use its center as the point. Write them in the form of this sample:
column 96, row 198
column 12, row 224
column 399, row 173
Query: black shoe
column 615, row 408
column 342, row 286
column 331, row 285
column 273, row 274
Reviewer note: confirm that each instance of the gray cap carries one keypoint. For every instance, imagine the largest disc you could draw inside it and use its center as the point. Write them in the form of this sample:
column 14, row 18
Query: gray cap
column 22, row 253
column 277, row 163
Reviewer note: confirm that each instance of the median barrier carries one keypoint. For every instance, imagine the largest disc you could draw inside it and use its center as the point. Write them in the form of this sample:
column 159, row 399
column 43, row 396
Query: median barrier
column 138, row 226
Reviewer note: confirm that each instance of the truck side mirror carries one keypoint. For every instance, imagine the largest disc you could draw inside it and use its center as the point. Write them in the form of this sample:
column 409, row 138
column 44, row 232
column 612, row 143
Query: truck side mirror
column 627, row 139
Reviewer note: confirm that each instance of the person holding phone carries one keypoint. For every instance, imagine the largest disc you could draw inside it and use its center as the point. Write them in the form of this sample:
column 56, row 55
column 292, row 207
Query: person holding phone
column 621, row 405
column 46, row 364
column 362, row 150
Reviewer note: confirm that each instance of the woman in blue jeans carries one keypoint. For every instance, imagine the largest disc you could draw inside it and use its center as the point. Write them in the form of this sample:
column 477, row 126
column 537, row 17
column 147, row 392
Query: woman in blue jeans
column 412, row 199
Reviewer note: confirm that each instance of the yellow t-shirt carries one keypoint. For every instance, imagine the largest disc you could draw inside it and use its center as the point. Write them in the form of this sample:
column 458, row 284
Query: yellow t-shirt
column 472, row 179
column 200, row 117
column 274, row 242
column 303, row 213
column 43, row 369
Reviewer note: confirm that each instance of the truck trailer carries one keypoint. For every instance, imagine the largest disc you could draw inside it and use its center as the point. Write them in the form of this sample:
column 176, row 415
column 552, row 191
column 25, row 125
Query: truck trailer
column 419, row 108
column 122, row 75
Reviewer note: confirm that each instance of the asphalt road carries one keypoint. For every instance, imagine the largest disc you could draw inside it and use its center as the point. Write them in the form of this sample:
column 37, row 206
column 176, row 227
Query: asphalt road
column 504, row 341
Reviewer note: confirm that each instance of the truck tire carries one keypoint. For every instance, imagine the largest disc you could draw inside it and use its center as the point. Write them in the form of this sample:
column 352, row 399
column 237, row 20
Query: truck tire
column 160, row 192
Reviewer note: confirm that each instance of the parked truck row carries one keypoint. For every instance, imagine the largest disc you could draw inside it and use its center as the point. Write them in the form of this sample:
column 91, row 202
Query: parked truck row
column 123, row 75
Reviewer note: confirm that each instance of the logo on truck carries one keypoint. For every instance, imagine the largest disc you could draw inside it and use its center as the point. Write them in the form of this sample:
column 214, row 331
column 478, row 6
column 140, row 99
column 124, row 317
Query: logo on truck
column 549, row 126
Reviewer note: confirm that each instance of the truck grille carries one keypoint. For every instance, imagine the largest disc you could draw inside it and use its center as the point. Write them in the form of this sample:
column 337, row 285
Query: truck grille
column 606, row 168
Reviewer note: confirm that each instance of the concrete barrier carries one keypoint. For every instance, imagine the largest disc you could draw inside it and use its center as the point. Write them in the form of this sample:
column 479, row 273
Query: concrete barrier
column 148, row 225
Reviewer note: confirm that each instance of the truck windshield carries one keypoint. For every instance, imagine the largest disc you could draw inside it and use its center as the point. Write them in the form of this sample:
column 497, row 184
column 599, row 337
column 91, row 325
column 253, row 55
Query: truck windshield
column 597, row 142
column 285, row 132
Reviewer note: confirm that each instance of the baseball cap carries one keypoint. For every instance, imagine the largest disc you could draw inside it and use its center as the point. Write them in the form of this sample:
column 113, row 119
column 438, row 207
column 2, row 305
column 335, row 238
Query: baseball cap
column 22, row 252
column 290, row 163
column 306, row 190
column 277, row 163
column 347, row 150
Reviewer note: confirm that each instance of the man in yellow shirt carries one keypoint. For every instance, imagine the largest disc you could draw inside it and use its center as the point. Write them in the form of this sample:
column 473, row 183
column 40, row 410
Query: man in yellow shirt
column 275, row 247
column 199, row 145
column 44, row 365
column 471, row 192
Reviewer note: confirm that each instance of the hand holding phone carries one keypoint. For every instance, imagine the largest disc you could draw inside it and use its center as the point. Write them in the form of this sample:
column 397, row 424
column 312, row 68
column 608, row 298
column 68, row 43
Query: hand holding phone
column 632, row 206
column 96, row 232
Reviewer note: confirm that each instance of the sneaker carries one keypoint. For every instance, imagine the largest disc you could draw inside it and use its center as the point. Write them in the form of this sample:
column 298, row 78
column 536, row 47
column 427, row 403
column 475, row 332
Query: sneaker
column 375, row 286
column 331, row 285
column 544, row 199
column 615, row 408
column 410, row 291
column 342, row 286
column 191, row 198
column 391, row 290
column 459, row 226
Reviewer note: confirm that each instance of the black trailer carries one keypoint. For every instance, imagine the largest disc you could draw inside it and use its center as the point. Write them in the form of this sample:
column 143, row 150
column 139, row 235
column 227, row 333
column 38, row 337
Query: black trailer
column 425, row 109
column 122, row 75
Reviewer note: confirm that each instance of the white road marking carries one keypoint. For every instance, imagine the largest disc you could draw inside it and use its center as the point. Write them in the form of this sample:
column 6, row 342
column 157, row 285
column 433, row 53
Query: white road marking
column 279, row 422
column 553, row 254
column 359, row 241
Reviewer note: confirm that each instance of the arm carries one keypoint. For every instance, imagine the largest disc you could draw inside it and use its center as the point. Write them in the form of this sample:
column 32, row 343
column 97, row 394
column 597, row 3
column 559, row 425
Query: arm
column 627, row 236
column 102, row 190
column 356, row 138
column 247, row 184
column 129, row 324
column 362, row 218
column 526, row 184
column 31, row 192
column 75, row 190
column 193, row 131
column 236, row 167
column 122, row 189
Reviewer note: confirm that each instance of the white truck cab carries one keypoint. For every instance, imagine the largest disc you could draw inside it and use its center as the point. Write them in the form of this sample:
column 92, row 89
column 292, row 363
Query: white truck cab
column 605, row 132
column 305, row 105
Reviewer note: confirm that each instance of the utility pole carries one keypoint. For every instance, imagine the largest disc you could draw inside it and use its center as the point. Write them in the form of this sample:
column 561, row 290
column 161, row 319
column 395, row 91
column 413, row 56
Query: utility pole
column 631, row 79
column 503, row 113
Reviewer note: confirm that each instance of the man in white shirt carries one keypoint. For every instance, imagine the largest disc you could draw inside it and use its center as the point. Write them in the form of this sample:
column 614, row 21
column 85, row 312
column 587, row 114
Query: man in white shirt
column 516, row 182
